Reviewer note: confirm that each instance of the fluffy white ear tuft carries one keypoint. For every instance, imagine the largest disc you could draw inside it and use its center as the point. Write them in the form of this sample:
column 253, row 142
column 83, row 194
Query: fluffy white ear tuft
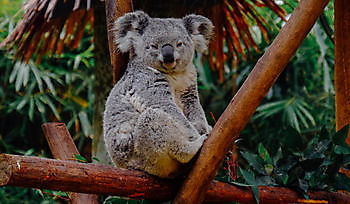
column 129, row 28
column 200, row 29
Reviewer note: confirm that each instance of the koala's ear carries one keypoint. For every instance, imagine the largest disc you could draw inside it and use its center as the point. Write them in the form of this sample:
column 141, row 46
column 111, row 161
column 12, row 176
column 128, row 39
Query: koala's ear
column 200, row 29
column 129, row 29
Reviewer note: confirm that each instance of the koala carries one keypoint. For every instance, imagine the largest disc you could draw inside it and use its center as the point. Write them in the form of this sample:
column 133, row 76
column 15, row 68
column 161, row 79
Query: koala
column 153, row 120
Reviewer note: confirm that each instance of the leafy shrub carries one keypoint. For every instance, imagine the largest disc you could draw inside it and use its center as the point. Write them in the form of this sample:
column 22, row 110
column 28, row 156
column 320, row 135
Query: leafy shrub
column 299, row 162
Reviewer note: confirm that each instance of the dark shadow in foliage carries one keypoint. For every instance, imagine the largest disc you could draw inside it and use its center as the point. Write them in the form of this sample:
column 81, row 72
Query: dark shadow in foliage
column 298, row 163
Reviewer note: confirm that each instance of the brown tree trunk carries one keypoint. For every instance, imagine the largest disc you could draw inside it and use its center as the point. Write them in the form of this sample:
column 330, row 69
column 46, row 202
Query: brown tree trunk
column 247, row 99
column 342, row 66
column 115, row 9
column 342, row 63
column 42, row 173
column 62, row 147
column 103, row 81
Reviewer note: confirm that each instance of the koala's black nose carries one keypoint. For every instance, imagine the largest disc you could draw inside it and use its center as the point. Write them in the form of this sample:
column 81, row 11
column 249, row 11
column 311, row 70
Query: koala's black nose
column 168, row 53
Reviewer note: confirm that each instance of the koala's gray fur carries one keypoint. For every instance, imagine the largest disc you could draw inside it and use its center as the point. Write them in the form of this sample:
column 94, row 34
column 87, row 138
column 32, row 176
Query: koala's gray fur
column 153, row 120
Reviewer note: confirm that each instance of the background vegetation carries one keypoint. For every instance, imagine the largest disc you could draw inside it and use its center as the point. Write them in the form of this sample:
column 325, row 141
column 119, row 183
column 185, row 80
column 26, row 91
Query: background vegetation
column 290, row 141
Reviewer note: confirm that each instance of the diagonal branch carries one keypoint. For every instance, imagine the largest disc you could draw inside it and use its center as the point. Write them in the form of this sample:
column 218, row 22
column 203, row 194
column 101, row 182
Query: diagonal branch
column 62, row 147
column 247, row 99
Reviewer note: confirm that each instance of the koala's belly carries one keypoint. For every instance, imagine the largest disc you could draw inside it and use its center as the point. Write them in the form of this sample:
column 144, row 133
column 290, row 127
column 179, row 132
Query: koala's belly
column 162, row 166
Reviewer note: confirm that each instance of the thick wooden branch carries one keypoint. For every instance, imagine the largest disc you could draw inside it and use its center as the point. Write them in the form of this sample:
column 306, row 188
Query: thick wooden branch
column 35, row 172
column 60, row 141
column 80, row 177
column 115, row 9
column 342, row 63
column 62, row 147
column 247, row 99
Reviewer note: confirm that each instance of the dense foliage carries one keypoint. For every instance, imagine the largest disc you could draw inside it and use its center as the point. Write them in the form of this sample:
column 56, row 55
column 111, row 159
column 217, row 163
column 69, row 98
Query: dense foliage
column 290, row 141
column 58, row 89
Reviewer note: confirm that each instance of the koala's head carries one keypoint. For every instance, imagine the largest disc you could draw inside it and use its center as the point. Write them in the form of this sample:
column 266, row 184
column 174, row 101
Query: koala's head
column 164, row 44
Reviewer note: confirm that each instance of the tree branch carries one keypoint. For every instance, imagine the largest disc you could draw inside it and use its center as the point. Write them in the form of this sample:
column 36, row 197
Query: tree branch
column 35, row 172
column 247, row 99
column 62, row 147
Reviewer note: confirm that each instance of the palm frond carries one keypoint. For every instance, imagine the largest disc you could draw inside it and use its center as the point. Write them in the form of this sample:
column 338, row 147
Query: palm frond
column 40, row 28
column 47, row 25
column 233, row 20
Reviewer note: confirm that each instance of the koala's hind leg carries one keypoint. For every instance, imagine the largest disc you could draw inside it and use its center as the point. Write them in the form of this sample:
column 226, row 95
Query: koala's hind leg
column 163, row 142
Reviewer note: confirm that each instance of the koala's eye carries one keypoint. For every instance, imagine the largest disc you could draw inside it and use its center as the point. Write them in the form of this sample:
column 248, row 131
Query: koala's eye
column 179, row 44
column 154, row 46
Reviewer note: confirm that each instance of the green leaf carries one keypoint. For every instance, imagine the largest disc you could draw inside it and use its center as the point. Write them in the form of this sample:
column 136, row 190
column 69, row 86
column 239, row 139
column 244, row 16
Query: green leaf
column 327, row 162
column 96, row 159
column 29, row 152
column 85, row 123
column 76, row 62
column 302, row 118
column 304, row 186
column 280, row 176
column 292, row 118
column 14, row 72
column 37, row 77
column 253, row 161
column 40, row 106
column 270, row 109
column 278, row 156
column 22, row 103
column 341, row 150
column 307, row 114
column 49, row 84
column 340, row 136
column 72, row 120
column 48, row 101
column 272, row 105
column 250, row 179
column 31, row 109
column 264, row 154
column 265, row 181
column 26, row 75
column 285, row 180
column 80, row 158
column 241, row 184
column 268, row 169
column 19, row 79
column 248, row 176
column 38, row 191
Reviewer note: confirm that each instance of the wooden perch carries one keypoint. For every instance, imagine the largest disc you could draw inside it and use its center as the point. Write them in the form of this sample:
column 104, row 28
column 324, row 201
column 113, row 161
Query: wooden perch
column 35, row 172
column 62, row 147
column 247, row 99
